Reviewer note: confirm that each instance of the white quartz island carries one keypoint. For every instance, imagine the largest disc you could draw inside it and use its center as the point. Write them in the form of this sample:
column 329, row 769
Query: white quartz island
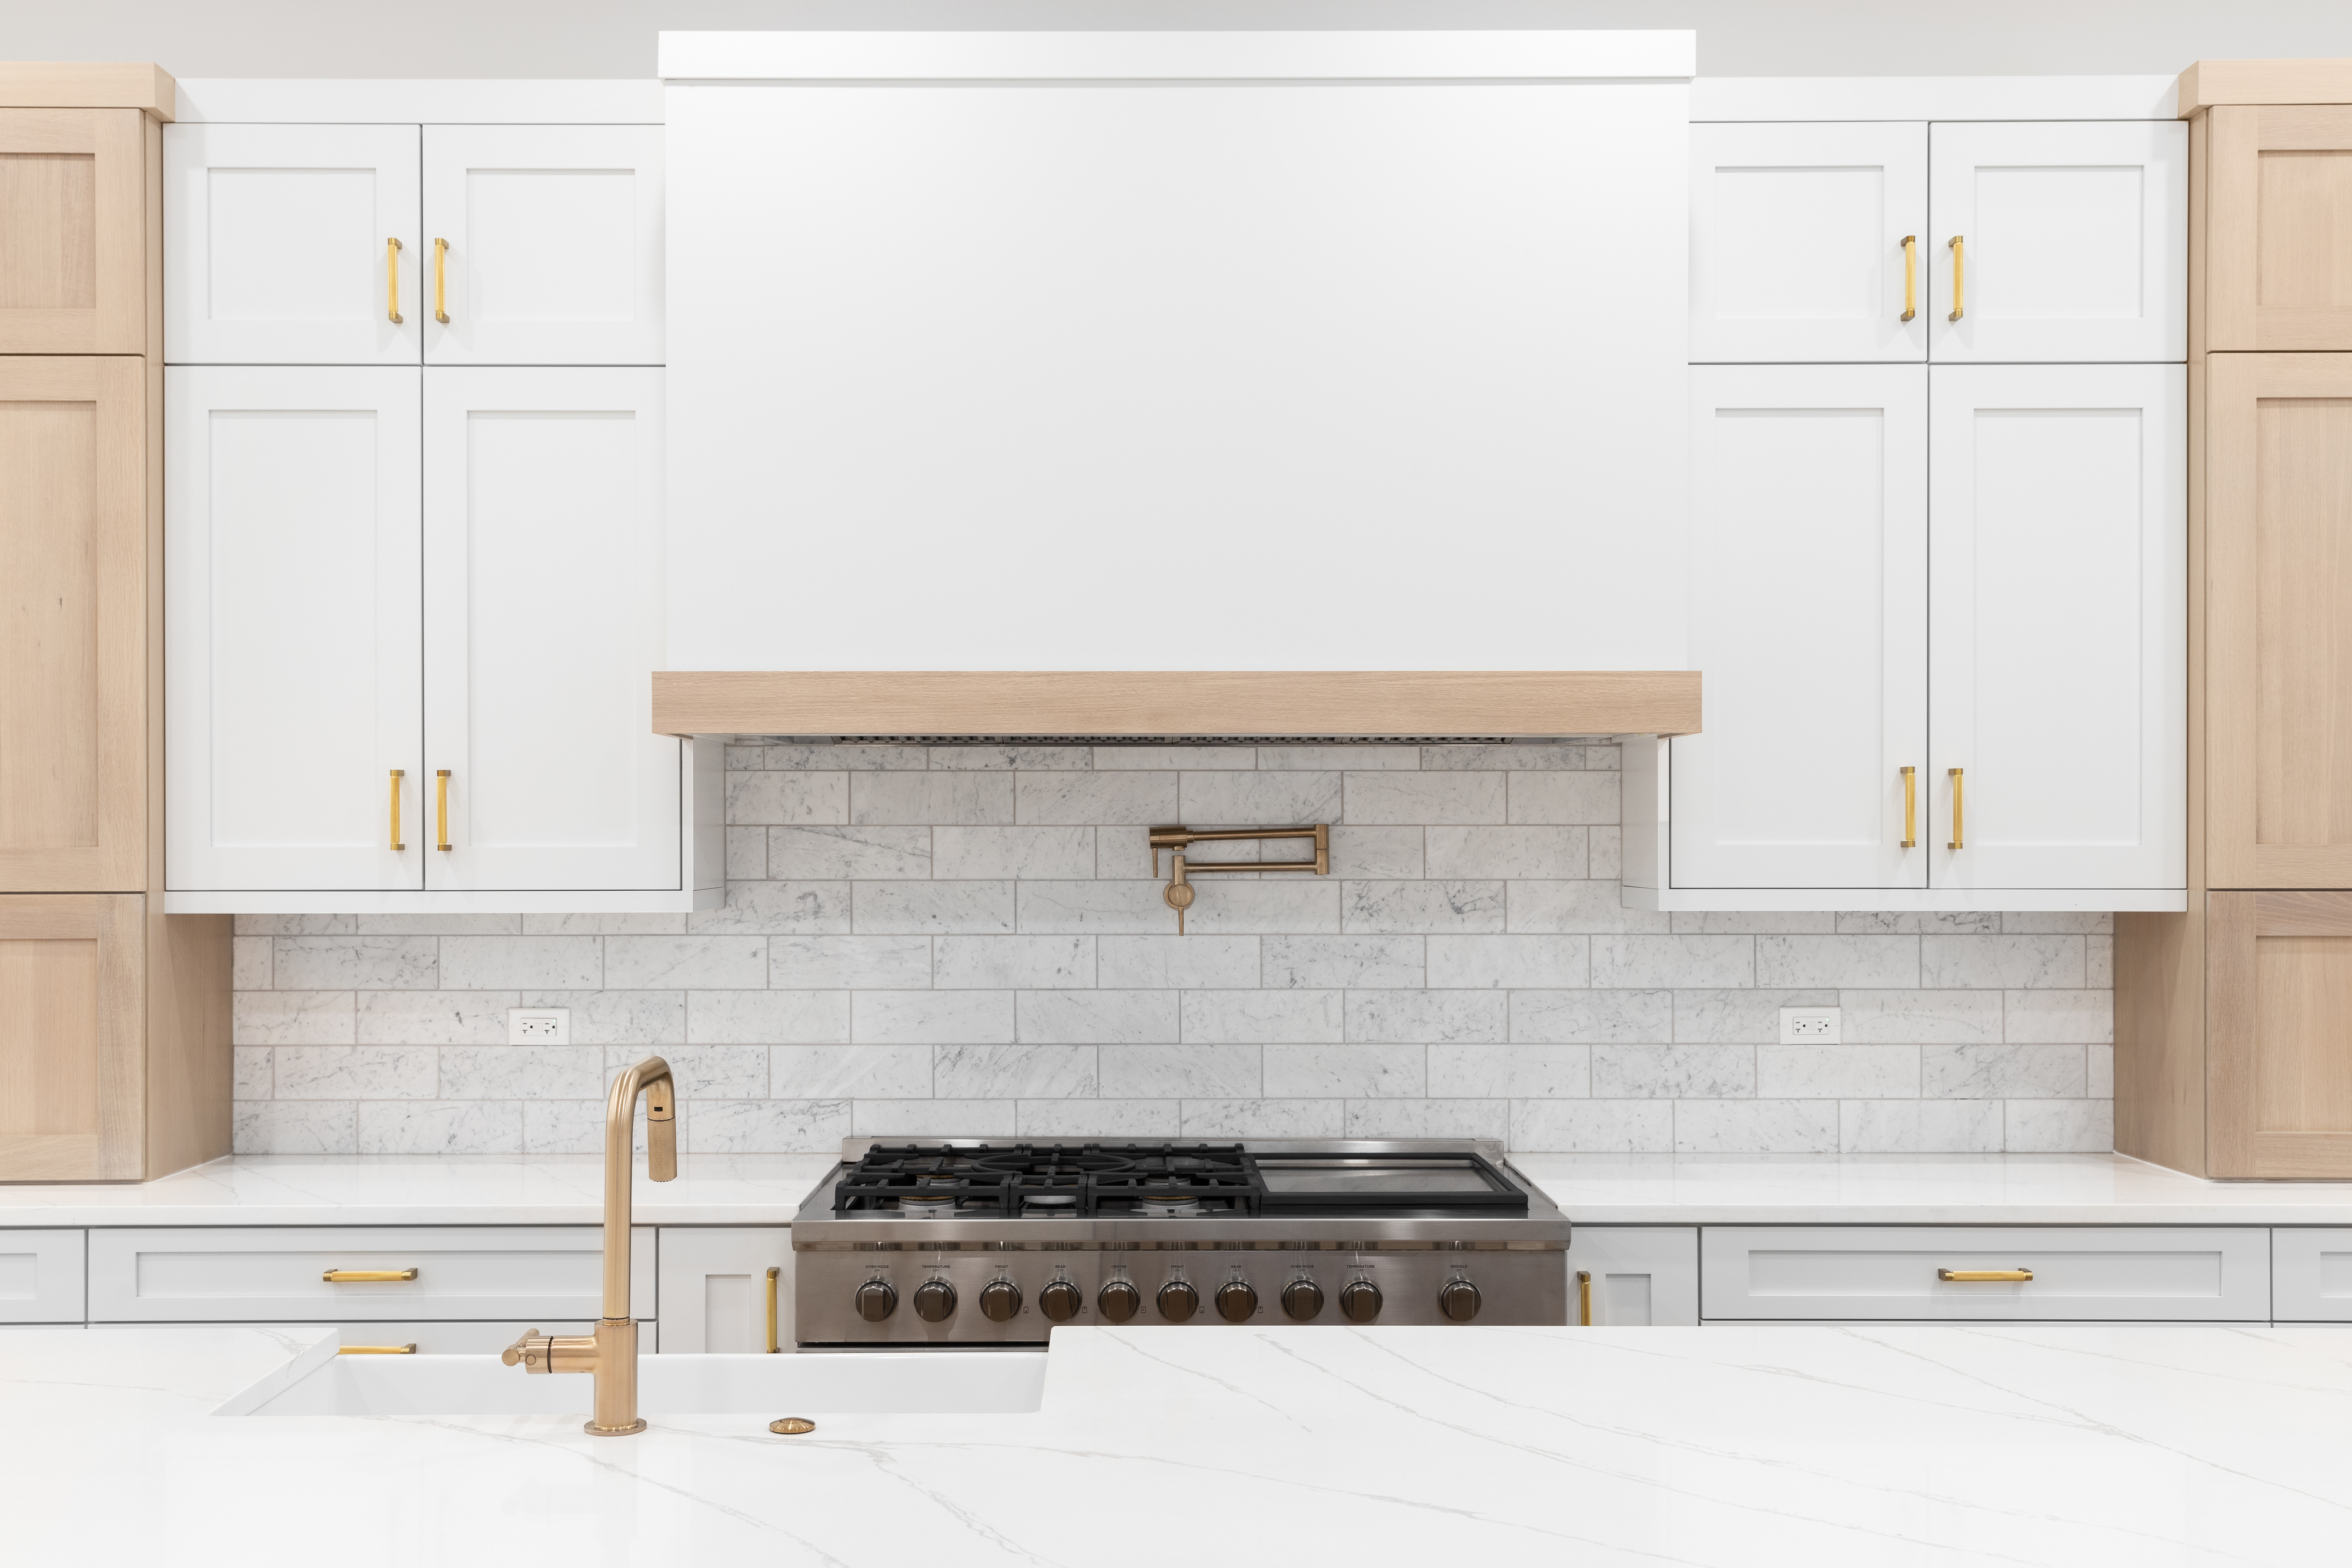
column 1734, row 1447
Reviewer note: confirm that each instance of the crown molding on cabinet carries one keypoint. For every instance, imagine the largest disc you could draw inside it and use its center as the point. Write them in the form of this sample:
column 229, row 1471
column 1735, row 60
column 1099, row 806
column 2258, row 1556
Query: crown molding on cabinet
column 1108, row 703
column 264, row 100
column 1814, row 99
column 88, row 85
column 2210, row 82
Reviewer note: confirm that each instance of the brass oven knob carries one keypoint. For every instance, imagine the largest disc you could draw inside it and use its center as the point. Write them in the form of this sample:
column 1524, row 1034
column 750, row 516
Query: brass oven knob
column 1236, row 1301
column 1459, row 1301
column 1119, row 1301
column 1301, row 1300
column 935, row 1301
column 1178, row 1301
column 1060, row 1301
column 1359, row 1303
column 998, row 1300
column 876, row 1301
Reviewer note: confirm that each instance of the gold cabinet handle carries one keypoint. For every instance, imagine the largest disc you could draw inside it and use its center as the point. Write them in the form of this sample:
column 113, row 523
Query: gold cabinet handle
column 1910, row 276
column 396, row 776
column 1959, row 248
column 1985, row 1276
column 441, row 281
column 773, row 1274
column 1910, row 808
column 408, row 1348
column 1959, row 838
column 366, row 1276
column 441, row 805
column 392, row 280
column 1584, row 1299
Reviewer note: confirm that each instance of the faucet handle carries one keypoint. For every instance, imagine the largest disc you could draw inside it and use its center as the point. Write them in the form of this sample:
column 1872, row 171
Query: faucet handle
column 534, row 1352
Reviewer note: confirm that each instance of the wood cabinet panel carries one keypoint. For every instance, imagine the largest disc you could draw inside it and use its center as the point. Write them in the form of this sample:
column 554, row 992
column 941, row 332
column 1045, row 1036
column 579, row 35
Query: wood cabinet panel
column 73, row 624
column 72, row 1005
column 2278, row 228
column 73, row 231
column 2279, row 1062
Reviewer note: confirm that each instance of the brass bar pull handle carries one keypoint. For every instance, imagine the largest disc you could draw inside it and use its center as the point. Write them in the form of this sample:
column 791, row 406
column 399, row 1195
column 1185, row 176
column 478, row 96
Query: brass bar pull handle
column 1958, row 837
column 773, row 1272
column 396, row 776
column 1584, row 1299
column 441, row 805
column 366, row 1276
column 1958, row 244
column 1910, row 276
column 1985, row 1276
column 1910, row 808
column 392, row 280
column 408, row 1348
column 441, row 281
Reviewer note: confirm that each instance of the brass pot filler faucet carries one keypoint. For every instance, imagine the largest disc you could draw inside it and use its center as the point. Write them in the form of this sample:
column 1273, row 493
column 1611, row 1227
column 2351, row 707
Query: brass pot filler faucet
column 610, row 1353
column 1178, row 894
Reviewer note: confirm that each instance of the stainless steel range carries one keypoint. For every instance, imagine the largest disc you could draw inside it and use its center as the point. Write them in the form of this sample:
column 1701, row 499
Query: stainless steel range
column 968, row 1243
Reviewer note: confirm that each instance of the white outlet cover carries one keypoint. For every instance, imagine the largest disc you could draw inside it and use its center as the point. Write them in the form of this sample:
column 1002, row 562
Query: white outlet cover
column 1810, row 1026
column 539, row 1026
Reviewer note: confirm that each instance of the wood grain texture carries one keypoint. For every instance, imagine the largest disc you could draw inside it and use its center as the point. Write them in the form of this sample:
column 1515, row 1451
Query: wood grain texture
column 2208, row 83
column 1177, row 702
column 137, row 85
column 2160, row 1037
column 2278, row 235
column 189, row 1060
column 2281, row 1063
column 73, row 624
column 73, row 231
column 71, row 1038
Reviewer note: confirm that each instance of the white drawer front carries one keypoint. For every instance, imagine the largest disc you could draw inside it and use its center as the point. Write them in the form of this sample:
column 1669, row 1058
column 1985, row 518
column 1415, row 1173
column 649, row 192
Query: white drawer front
column 277, row 1274
column 2114, row 1273
column 1642, row 1275
column 2310, row 1275
column 40, row 1276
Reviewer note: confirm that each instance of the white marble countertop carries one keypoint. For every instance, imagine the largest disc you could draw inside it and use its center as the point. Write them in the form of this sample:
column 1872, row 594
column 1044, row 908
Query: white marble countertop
column 2156, row 1444
column 1592, row 1189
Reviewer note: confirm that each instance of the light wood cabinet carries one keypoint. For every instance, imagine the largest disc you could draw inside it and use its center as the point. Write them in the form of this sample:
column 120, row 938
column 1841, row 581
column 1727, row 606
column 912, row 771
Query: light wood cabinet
column 2277, row 188
column 76, row 231
column 2281, row 1075
column 71, row 984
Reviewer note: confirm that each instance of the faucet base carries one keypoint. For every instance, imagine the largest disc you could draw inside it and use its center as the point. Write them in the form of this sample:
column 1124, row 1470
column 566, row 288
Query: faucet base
column 593, row 1431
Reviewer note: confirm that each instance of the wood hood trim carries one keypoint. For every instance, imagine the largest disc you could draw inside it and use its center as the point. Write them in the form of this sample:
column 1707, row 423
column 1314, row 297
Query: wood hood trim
column 1349, row 703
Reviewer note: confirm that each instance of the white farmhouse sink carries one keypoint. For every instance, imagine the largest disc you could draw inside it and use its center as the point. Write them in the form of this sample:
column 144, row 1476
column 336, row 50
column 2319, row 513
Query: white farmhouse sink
column 865, row 1383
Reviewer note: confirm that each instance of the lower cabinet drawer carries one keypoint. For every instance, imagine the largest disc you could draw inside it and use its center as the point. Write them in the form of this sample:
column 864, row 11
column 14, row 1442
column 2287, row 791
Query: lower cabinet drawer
column 278, row 1274
column 1633, row 1276
column 40, row 1276
column 2310, row 1275
column 2112, row 1273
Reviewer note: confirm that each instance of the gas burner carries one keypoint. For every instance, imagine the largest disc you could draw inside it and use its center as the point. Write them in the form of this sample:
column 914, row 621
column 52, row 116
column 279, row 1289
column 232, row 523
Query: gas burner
column 1167, row 1207
column 914, row 1208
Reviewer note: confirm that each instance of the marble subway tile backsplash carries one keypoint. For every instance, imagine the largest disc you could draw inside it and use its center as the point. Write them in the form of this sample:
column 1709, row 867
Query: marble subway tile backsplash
column 969, row 940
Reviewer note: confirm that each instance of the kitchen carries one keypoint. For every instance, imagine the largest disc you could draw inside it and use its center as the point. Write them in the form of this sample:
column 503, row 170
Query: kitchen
column 1841, row 939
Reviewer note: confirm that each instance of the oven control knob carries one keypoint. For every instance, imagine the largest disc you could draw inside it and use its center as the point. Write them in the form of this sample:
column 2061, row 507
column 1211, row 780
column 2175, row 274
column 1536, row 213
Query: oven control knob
column 1301, row 1300
column 935, row 1301
column 1358, row 1303
column 1236, row 1301
column 1459, row 1301
column 876, row 1301
column 1178, row 1301
column 1060, row 1301
column 999, row 1301
column 1120, row 1300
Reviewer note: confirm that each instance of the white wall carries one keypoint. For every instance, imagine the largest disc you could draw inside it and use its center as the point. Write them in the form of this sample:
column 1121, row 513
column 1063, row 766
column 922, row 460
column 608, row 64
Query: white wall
column 616, row 38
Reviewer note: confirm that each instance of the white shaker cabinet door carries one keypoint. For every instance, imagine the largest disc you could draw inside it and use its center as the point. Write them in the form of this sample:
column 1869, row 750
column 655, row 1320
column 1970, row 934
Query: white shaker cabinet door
column 1809, row 540
column 725, row 1288
column 291, row 245
column 2073, row 241
column 2058, row 605
column 293, row 673
column 1798, row 240
column 542, row 245
column 542, row 626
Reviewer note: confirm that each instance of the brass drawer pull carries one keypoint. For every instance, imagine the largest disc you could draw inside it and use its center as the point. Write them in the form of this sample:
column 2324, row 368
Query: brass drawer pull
column 441, row 805
column 1960, row 838
column 1583, row 1298
column 397, row 844
column 366, row 1276
column 773, row 1272
column 408, row 1348
column 1985, row 1276
column 1910, row 808
column 1958, row 246
column 441, row 281
column 392, row 281
column 1910, row 276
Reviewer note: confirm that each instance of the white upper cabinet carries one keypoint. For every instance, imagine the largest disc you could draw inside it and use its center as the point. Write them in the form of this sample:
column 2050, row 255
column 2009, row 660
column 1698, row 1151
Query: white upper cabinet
column 542, row 245
column 291, row 568
column 542, row 616
column 1809, row 545
column 2073, row 241
column 291, row 245
column 1798, row 242
column 2059, row 607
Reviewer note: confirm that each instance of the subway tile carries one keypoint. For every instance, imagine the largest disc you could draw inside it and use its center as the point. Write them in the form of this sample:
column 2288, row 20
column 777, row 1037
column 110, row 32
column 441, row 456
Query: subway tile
column 1313, row 963
column 852, row 963
column 1013, row 963
column 1604, row 759
column 356, row 1072
column 1607, row 852
column 1139, row 963
column 774, row 1126
column 1840, row 1072
column 773, row 1017
column 1097, row 1017
column 2099, row 962
column 1110, row 1119
column 1290, row 905
column 1181, row 1071
column 640, row 925
column 729, row 962
column 1593, row 1126
column 1346, row 1071
column 295, row 1127
column 440, row 1127
column 2099, row 1061
column 2059, row 922
column 1208, row 800
column 1878, row 962
column 1007, row 759
column 931, row 1017
column 1654, row 961
column 1264, row 1118
column 2052, row 1018
column 825, row 853
column 704, row 1072
column 296, row 925
column 249, row 1073
column 619, row 1017
column 784, row 908
column 758, row 799
column 1589, row 1017
column 1917, row 921
column 1919, row 1017
column 850, row 1071
column 1509, row 963
column 1118, row 907
column 938, row 908
column 1429, row 1119
column 1919, row 1126
column 1169, row 758
column 503, row 963
column 2059, row 1126
column 1000, row 853
column 1088, row 800
column 1756, row 1126
column 292, row 1018
column 249, row 963
column 1743, row 923
column 435, row 1018
column 929, row 799
column 525, row 1072
column 2002, row 963
column 1428, row 1018
column 932, row 1119
column 1511, row 756
column 744, row 758
column 1426, row 798
column 1013, row 1071
column 1549, row 853
column 1312, row 758
column 1673, row 1071
column 792, row 756
column 1380, row 853
column 1571, row 907
column 1261, row 1017
column 1405, row 908
column 1510, row 1071
column 1740, row 1017
column 747, row 854
column 1579, row 797
column 2002, row 1072
column 361, row 963
column 427, row 925
column 573, row 1127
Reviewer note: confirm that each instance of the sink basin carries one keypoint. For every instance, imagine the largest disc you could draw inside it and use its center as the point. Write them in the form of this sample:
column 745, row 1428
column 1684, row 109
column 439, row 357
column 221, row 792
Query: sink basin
column 865, row 1383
